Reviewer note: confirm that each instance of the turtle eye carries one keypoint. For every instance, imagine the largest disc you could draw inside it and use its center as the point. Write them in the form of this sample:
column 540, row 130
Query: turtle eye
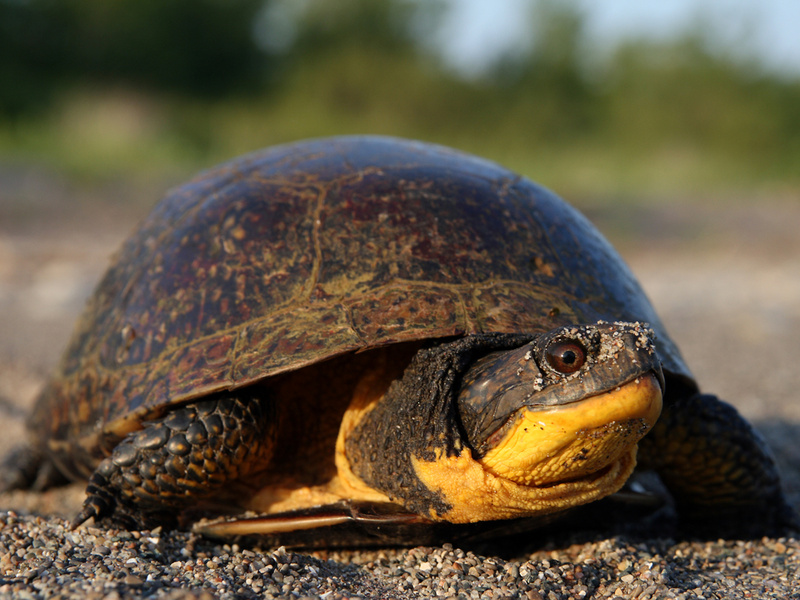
column 566, row 356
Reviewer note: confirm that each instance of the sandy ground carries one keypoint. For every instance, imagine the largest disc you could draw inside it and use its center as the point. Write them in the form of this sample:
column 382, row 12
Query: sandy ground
column 725, row 279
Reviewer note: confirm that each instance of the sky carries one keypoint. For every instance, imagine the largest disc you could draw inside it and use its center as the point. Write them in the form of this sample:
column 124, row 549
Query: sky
column 479, row 30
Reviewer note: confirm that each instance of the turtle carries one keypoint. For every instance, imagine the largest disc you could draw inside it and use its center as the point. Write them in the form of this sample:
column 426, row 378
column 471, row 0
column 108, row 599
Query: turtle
column 365, row 339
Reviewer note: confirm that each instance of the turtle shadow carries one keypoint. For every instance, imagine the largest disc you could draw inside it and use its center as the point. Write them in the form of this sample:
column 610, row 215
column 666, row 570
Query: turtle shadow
column 586, row 525
column 781, row 436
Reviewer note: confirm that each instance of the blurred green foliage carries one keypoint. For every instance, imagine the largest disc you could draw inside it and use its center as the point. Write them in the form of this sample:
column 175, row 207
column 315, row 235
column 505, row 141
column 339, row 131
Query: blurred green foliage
column 202, row 47
column 99, row 87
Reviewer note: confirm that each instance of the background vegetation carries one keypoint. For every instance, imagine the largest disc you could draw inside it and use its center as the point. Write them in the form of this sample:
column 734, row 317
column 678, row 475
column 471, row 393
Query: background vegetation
column 148, row 88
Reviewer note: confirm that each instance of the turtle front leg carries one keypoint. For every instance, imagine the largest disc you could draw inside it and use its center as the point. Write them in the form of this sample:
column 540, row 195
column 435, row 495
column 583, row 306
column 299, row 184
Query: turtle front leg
column 718, row 469
column 180, row 459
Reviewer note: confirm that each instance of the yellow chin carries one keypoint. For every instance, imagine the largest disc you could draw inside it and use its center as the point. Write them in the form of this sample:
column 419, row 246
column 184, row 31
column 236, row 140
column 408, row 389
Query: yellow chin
column 550, row 460
column 572, row 441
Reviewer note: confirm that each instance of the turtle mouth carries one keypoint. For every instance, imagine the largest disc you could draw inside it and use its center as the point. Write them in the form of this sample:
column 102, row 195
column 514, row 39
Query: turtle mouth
column 547, row 407
column 590, row 385
column 656, row 373
column 579, row 440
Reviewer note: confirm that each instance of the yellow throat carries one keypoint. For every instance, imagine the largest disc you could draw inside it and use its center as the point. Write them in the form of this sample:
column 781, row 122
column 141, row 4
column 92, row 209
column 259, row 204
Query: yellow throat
column 549, row 460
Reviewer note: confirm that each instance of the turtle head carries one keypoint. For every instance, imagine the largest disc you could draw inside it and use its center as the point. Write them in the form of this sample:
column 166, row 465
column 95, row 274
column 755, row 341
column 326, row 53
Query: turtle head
column 499, row 426
column 549, row 425
column 569, row 406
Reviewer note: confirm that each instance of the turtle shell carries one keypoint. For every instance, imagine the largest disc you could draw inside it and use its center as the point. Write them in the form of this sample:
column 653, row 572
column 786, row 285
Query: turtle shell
column 303, row 252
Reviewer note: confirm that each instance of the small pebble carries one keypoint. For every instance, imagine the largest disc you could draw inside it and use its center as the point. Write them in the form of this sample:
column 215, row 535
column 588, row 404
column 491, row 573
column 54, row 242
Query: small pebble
column 42, row 558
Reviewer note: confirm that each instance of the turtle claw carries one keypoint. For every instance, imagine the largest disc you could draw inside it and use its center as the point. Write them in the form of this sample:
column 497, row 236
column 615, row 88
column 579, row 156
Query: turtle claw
column 88, row 512
column 99, row 502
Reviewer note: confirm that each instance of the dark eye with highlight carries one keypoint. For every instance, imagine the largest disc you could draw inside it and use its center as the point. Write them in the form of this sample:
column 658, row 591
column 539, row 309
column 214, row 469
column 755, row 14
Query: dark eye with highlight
column 566, row 356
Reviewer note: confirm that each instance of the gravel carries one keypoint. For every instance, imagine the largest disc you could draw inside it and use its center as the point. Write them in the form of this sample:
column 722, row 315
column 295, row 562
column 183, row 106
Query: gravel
column 41, row 558
column 726, row 280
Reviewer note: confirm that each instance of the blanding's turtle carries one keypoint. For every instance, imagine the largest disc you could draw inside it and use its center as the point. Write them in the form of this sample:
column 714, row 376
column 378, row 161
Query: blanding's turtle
column 370, row 339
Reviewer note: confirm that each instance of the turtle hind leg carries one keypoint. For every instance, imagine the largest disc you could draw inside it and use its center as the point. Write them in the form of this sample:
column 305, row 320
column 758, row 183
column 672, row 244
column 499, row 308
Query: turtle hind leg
column 718, row 469
column 177, row 461
column 27, row 468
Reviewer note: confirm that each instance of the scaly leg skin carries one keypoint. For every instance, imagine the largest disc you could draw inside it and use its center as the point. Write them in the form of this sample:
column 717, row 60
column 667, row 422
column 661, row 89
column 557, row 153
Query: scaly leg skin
column 718, row 469
column 178, row 460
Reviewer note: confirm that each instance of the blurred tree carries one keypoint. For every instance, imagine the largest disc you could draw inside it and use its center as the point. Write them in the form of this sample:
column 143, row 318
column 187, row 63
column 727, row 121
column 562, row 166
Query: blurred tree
column 552, row 94
column 676, row 108
column 367, row 24
column 353, row 55
column 684, row 95
column 203, row 47
column 34, row 49
column 200, row 47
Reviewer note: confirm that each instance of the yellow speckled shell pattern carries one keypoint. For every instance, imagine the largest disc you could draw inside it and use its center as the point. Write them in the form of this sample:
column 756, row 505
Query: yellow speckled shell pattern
column 301, row 252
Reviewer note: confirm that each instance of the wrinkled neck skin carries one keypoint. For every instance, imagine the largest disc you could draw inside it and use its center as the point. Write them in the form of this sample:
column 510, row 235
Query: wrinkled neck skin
column 483, row 428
